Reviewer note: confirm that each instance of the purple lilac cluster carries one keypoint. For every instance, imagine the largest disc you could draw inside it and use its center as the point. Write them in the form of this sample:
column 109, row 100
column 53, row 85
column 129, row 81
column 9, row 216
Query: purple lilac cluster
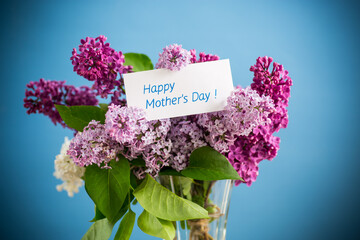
column 185, row 136
column 41, row 97
column 98, row 62
column 93, row 146
column 243, row 132
column 117, row 95
column 248, row 151
column 245, row 110
column 174, row 58
column 202, row 57
column 215, row 131
column 275, row 84
column 140, row 137
column 124, row 124
column 126, row 132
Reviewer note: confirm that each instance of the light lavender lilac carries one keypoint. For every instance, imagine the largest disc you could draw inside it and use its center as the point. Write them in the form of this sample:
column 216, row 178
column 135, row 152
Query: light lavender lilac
column 93, row 146
column 174, row 58
column 185, row 136
column 244, row 111
column 140, row 138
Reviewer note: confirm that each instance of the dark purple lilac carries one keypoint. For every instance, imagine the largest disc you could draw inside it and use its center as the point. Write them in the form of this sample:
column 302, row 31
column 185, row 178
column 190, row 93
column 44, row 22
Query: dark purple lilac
column 41, row 97
column 97, row 61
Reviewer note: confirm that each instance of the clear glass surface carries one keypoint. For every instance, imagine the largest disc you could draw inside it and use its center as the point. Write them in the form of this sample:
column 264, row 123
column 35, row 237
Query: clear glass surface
column 213, row 196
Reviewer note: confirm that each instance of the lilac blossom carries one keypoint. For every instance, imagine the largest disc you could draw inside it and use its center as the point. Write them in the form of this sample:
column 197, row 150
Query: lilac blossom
column 140, row 138
column 93, row 146
column 215, row 131
column 202, row 57
column 125, row 124
column 246, row 110
column 97, row 61
column 174, row 58
column 117, row 96
column 185, row 136
column 275, row 84
column 41, row 97
column 248, row 151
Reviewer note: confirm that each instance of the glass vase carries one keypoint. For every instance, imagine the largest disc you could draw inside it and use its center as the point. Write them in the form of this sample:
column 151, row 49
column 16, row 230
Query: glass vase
column 214, row 196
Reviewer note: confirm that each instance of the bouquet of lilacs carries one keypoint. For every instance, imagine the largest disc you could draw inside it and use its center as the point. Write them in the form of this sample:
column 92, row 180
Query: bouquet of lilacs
column 120, row 156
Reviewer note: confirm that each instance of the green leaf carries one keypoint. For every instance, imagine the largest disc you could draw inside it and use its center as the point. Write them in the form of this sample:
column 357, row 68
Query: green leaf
column 208, row 164
column 133, row 180
column 98, row 215
column 164, row 204
column 169, row 171
column 104, row 106
column 124, row 208
column 126, row 226
column 138, row 162
column 156, row 227
column 139, row 61
column 78, row 117
column 99, row 230
column 108, row 188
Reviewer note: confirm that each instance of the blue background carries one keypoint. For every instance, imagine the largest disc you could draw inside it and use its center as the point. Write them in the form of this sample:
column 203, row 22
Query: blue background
column 309, row 191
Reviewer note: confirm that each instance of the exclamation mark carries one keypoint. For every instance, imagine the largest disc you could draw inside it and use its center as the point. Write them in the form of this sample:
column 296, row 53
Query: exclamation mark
column 215, row 93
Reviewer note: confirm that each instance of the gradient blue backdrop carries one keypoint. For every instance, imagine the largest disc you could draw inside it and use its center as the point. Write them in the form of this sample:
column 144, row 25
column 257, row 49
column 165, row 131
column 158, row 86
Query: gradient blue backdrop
column 310, row 191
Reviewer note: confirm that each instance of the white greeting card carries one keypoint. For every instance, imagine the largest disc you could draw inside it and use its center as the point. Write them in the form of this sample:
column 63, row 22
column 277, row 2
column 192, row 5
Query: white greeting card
column 197, row 88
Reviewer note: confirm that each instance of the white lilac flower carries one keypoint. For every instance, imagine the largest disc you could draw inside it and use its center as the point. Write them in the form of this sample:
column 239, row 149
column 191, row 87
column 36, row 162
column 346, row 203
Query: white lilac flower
column 67, row 171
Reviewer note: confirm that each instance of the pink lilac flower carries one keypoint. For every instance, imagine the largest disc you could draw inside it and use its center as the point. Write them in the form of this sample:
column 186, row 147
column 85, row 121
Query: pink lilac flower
column 140, row 138
column 174, row 58
column 93, row 146
column 185, row 136
column 98, row 62
column 41, row 97
column 202, row 57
